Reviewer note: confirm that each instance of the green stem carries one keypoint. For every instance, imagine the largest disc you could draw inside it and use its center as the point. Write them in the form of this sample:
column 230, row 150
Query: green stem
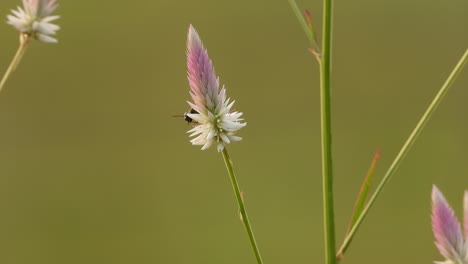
column 240, row 202
column 327, row 166
column 404, row 150
column 16, row 59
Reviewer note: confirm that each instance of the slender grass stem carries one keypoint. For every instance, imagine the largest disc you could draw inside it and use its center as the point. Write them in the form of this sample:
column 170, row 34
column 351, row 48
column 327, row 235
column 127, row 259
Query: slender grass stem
column 404, row 150
column 327, row 166
column 16, row 59
column 240, row 202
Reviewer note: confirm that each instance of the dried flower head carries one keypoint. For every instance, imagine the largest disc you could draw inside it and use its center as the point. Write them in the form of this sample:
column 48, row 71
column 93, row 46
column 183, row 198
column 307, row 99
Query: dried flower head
column 450, row 240
column 34, row 19
column 214, row 120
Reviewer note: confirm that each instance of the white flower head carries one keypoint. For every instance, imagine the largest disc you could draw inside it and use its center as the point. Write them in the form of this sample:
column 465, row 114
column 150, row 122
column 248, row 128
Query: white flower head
column 215, row 121
column 34, row 19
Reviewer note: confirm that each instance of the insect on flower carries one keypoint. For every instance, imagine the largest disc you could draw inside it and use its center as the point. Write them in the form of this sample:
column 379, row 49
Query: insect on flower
column 186, row 116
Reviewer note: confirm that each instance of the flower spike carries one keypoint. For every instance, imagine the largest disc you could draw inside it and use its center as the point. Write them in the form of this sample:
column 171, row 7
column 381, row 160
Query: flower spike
column 465, row 216
column 215, row 122
column 449, row 238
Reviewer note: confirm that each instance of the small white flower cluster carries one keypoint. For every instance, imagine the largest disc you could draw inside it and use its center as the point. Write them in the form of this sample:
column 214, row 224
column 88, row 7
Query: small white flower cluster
column 34, row 19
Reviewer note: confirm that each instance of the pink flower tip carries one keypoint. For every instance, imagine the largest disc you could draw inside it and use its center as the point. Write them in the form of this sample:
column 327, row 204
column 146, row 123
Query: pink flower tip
column 449, row 238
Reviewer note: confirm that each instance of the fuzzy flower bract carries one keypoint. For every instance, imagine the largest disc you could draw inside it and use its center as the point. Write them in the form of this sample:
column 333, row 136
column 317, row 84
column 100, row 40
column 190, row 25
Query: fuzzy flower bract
column 449, row 238
column 35, row 18
column 215, row 121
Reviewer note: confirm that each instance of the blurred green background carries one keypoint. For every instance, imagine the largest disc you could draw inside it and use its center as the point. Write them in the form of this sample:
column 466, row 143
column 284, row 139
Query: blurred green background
column 93, row 168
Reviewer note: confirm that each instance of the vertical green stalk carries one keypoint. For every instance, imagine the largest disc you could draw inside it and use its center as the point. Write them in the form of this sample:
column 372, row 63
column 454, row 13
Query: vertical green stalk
column 327, row 166
column 404, row 150
column 240, row 202
column 16, row 59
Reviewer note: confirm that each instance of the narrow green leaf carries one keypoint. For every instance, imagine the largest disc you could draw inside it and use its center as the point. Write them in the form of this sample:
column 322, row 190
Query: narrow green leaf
column 310, row 24
column 362, row 195
column 309, row 33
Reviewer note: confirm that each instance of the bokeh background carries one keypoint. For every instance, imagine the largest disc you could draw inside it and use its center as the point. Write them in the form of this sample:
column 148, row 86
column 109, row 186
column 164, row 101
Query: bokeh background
column 94, row 168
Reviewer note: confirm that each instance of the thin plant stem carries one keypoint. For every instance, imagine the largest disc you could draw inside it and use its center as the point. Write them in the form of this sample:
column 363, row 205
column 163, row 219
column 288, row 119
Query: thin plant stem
column 240, row 202
column 16, row 59
column 404, row 150
column 327, row 166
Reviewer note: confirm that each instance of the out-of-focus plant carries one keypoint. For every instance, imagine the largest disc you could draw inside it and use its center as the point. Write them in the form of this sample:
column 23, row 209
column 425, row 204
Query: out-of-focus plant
column 33, row 20
column 450, row 239
column 323, row 55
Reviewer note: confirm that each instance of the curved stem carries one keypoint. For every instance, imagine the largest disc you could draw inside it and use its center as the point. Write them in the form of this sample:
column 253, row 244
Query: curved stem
column 16, row 59
column 240, row 202
column 327, row 166
column 404, row 150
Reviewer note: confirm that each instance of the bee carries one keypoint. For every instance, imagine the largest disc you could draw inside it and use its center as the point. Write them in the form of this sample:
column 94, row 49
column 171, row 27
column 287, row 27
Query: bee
column 187, row 118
